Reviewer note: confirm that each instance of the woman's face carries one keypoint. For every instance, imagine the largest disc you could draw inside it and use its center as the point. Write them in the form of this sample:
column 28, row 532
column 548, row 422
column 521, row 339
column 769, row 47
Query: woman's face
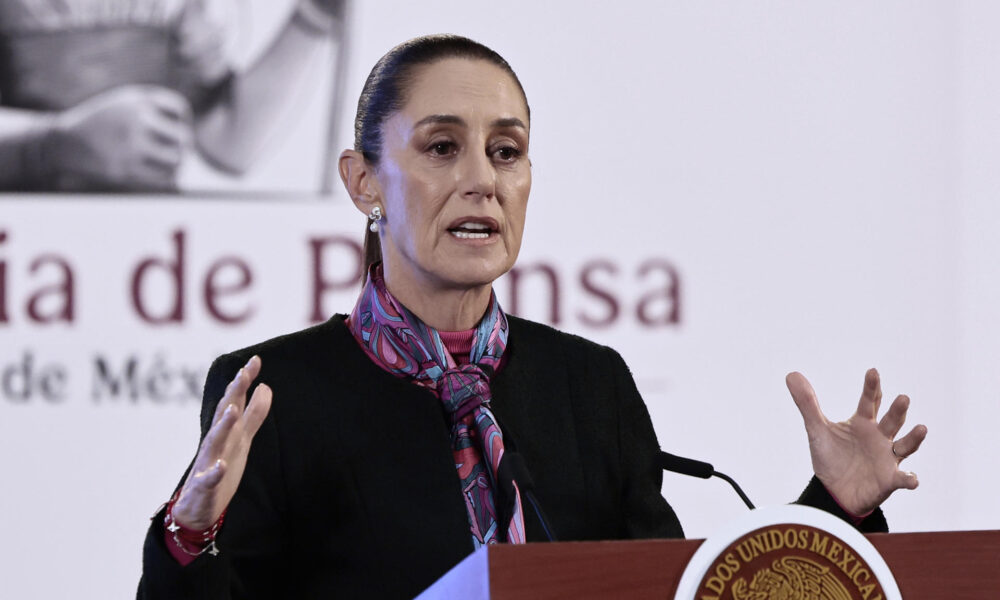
column 454, row 177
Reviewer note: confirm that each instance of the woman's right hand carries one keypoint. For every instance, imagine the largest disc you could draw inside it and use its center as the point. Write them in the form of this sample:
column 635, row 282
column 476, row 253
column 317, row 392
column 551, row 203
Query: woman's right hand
column 216, row 472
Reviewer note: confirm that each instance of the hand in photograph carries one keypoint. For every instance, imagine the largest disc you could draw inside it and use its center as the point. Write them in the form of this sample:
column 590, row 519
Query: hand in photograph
column 128, row 138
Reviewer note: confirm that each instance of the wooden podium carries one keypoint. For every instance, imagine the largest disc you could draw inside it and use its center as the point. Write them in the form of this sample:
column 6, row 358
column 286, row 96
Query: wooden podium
column 953, row 565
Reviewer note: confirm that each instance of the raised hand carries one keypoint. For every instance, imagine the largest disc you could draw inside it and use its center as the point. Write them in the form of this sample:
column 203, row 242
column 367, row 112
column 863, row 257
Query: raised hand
column 130, row 138
column 217, row 469
column 858, row 459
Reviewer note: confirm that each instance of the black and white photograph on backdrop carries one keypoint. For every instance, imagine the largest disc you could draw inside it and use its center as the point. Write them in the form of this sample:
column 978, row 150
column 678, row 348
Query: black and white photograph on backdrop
column 168, row 95
column 313, row 298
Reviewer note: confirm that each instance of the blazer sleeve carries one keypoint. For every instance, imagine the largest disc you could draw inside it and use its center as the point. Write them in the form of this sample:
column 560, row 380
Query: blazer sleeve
column 646, row 513
column 252, row 537
column 817, row 496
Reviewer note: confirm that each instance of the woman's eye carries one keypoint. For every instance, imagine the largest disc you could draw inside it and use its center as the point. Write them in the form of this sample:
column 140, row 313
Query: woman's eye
column 442, row 148
column 507, row 153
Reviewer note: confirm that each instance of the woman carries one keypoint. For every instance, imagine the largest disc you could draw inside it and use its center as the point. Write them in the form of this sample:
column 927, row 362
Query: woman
column 350, row 483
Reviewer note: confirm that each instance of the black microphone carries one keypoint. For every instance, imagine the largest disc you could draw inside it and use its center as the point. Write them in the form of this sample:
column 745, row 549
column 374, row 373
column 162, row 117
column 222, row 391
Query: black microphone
column 513, row 470
column 696, row 468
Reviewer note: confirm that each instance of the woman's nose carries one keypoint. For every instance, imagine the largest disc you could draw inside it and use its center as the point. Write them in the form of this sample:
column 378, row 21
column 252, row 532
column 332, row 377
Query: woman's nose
column 478, row 176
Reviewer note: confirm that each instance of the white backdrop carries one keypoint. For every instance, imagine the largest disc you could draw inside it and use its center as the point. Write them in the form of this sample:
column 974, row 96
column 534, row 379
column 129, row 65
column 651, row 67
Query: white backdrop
column 821, row 178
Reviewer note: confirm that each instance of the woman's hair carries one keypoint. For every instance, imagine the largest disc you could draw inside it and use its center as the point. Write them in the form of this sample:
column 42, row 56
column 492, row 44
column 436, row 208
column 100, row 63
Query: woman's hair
column 385, row 93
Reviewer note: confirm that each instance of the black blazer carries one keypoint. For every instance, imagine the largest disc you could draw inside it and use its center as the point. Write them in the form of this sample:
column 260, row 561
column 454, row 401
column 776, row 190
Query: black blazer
column 350, row 488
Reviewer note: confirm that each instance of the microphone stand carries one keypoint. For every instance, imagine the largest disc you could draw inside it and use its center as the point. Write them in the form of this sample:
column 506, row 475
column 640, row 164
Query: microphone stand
column 697, row 468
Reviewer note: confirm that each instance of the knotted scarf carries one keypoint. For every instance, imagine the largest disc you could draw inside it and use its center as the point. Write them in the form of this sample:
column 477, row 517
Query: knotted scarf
column 399, row 342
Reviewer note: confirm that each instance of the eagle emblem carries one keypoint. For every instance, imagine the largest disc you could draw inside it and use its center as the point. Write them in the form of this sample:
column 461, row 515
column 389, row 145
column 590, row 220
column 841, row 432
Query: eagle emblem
column 791, row 578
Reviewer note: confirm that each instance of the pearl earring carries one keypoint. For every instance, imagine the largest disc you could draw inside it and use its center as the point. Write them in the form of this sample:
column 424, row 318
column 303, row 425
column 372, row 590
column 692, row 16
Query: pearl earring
column 375, row 216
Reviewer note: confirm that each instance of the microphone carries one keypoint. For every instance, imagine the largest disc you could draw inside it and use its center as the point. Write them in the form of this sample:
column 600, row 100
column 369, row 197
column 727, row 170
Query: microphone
column 513, row 470
column 696, row 468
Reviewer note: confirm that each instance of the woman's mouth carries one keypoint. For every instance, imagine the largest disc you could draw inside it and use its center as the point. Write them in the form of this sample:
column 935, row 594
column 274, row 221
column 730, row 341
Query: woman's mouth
column 473, row 229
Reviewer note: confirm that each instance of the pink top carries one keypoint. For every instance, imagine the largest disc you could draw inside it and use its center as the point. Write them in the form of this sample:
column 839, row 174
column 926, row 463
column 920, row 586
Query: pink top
column 458, row 343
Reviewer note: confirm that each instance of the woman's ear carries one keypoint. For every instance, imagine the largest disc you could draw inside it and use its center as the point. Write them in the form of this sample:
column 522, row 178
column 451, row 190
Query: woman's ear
column 358, row 176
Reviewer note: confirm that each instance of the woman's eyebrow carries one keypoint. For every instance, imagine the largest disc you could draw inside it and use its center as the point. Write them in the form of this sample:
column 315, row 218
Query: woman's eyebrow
column 510, row 122
column 440, row 119
column 456, row 120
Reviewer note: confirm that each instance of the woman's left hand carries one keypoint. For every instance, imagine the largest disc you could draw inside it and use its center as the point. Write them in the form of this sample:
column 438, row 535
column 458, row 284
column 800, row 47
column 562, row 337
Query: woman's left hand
column 858, row 459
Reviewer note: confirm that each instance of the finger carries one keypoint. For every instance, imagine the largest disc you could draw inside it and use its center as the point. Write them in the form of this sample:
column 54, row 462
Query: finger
column 245, row 377
column 170, row 103
column 155, row 174
column 895, row 417
column 905, row 480
column 225, row 400
column 160, row 156
column 871, row 396
column 214, row 444
column 160, row 161
column 260, row 404
column 151, row 167
column 165, row 132
column 910, row 443
column 253, row 367
column 200, row 483
column 211, row 477
column 805, row 398
column 237, row 388
column 155, row 167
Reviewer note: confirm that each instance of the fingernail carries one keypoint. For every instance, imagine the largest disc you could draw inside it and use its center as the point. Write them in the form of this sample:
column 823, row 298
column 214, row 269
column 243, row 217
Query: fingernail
column 218, row 461
column 229, row 409
column 251, row 360
column 238, row 374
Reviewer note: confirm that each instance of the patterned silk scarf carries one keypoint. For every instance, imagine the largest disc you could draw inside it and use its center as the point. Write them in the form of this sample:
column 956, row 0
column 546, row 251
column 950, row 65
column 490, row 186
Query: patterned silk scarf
column 399, row 342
